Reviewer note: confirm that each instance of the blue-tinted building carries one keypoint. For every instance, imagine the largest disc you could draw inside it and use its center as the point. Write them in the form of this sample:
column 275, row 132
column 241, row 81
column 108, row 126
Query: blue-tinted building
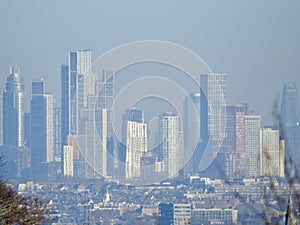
column 290, row 124
column 13, row 109
column 41, row 108
column 165, row 214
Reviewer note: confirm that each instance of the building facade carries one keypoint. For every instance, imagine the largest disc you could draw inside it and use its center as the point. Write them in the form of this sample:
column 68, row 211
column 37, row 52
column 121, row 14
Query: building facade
column 136, row 143
column 252, row 143
column 290, row 125
column 271, row 153
column 13, row 109
column 42, row 139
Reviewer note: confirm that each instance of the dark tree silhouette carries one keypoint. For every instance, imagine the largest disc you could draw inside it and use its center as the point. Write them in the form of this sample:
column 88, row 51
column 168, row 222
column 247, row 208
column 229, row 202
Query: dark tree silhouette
column 19, row 209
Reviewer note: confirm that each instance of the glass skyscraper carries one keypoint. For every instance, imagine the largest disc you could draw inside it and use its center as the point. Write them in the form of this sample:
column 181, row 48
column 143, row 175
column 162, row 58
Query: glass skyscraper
column 13, row 109
column 41, row 108
column 290, row 124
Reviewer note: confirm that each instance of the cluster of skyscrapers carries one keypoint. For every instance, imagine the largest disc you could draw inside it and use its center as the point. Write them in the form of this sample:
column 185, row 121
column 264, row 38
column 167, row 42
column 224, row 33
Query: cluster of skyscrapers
column 77, row 139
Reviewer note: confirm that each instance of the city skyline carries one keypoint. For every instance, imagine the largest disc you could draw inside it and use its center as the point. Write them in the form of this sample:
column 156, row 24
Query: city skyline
column 150, row 112
column 224, row 125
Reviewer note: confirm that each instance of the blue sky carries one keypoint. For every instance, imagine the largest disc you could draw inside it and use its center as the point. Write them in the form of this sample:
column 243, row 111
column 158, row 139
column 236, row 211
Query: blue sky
column 255, row 42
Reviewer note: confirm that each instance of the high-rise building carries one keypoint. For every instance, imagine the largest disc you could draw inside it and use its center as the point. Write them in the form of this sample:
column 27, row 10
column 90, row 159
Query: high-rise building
column 96, row 127
column 252, row 143
column 172, row 141
column 57, row 133
column 271, row 153
column 13, row 109
column 64, row 79
column 290, row 124
column 234, row 140
column 74, row 94
column 68, row 161
column 79, row 64
column 41, row 109
column 136, row 143
column 105, row 98
column 192, row 134
column 289, row 114
column 214, row 89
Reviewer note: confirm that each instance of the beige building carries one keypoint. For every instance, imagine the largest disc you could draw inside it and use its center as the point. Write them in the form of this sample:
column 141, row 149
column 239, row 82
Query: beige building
column 271, row 153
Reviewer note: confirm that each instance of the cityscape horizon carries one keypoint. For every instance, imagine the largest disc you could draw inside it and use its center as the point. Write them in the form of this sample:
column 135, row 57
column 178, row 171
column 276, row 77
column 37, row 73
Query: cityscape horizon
column 167, row 113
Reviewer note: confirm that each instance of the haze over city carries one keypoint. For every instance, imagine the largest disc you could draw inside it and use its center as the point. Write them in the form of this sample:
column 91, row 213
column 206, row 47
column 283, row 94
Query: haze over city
column 149, row 112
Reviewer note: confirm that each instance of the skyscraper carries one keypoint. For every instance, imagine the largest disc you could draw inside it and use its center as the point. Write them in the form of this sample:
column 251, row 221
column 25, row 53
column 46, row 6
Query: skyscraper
column 68, row 161
column 252, row 143
column 13, row 109
column 172, row 139
column 64, row 79
column 136, row 143
column 105, row 98
column 96, row 127
column 41, row 109
column 79, row 63
column 57, row 132
column 214, row 88
column 290, row 122
column 192, row 133
column 271, row 153
column 289, row 105
column 234, row 139
column 73, row 94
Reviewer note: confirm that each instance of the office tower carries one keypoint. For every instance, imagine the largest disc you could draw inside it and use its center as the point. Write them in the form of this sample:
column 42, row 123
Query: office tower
column 57, row 133
column 68, row 161
column 289, row 105
column 271, row 153
column 290, row 123
column 105, row 98
column 79, row 63
column 214, row 88
column 136, row 143
column 73, row 93
column 165, row 214
column 96, row 132
column 41, row 109
column 234, row 141
column 171, row 144
column 64, row 103
column 182, row 214
column 191, row 127
column 252, row 143
column 13, row 109
column 1, row 116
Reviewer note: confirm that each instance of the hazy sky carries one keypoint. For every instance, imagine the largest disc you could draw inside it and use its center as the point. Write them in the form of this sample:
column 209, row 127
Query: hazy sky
column 257, row 43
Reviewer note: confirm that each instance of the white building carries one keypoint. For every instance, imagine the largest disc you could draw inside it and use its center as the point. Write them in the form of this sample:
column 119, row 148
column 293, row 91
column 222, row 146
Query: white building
column 49, row 127
column 271, row 153
column 68, row 161
column 172, row 144
column 136, row 146
column 252, row 143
